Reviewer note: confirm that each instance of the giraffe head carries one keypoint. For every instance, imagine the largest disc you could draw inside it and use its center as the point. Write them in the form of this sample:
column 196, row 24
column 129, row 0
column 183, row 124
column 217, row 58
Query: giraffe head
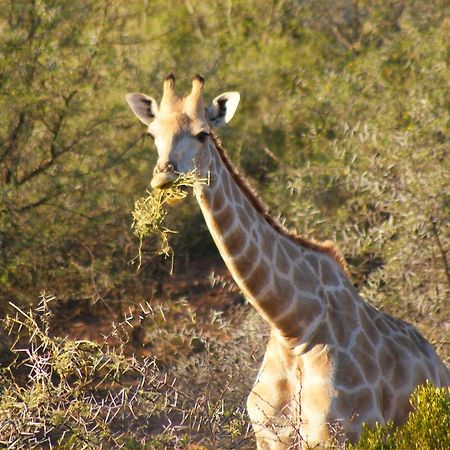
column 181, row 127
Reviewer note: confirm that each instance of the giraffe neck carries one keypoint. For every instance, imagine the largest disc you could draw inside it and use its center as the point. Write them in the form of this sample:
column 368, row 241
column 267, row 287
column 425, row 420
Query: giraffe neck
column 277, row 275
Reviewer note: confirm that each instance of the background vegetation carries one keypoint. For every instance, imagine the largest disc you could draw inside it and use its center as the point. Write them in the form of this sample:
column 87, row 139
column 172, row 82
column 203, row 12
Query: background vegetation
column 343, row 128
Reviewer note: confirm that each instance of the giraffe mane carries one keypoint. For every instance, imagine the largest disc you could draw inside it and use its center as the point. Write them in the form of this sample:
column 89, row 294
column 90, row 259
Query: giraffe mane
column 328, row 247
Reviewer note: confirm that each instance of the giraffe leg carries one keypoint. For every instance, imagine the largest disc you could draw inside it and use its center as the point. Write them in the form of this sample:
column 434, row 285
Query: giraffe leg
column 269, row 403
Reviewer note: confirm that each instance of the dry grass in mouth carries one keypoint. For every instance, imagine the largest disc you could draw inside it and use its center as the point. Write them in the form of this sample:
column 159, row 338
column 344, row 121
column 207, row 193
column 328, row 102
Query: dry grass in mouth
column 150, row 212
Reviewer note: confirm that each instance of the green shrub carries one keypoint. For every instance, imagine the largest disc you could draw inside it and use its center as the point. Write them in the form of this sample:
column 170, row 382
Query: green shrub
column 427, row 427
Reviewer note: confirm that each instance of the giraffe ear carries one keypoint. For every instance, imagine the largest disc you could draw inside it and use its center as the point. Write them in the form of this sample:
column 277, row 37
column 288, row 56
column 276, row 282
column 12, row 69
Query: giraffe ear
column 144, row 107
column 222, row 109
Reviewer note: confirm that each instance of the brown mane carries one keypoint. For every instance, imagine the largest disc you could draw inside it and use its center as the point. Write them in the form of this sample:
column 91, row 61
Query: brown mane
column 327, row 247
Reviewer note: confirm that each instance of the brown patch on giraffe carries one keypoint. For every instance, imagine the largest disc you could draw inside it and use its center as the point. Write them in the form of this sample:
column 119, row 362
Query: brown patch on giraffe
column 247, row 261
column 235, row 192
column 363, row 343
column 402, row 408
column 244, row 218
column 342, row 335
column 268, row 247
column 218, row 200
column 236, row 241
column 258, row 279
column 341, row 321
column 224, row 219
column 381, row 325
column 394, row 324
column 283, row 288
column 328, row 273
column 313, row 261
column 281, row 261
column 421, row 343
column 400, row 370
column 386, row 399
column 368, row 365
column 347, row 372
column 367, row 324
column 344, row 405
column 346, row 302
column 349, row 286
column 364, row 400
column 342, row 324
column 386, row 360
column 419, row 375
column 326, row 247
column 304, row 278
column 271, row 304
column 299, row 319
column 363, row 351
column 406, row 344
column 349, row 404
column 292, row 250
column 226, row 181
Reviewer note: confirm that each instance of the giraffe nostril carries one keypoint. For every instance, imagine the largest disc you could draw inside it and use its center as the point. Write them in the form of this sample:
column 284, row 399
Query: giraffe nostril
column 166, row 167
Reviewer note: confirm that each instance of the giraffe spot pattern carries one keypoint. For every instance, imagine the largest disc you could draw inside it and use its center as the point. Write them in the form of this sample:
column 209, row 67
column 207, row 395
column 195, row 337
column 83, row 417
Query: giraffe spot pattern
column 328, row 273
column 236, row 241
column 368, row 325
column 367, row 363
column 236, row 194
column 218, row 201
column 282, row 262
column 304, row 278
column 244, row 218
column 347, row 302
column 247, row 261
column 364, row 399
column 299, row 318
column 268, row 247
column 293, row 251
column 347, row 372
column 226, row 181
column 340, row 321
column 312, row 259
column 385, row 399
column 224, row 219
column 258, row 278
column 284, row 289
column 271, row 304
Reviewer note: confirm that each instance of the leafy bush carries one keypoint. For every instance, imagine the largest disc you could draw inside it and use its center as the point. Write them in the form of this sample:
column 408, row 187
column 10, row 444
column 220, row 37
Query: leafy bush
column 427, row 427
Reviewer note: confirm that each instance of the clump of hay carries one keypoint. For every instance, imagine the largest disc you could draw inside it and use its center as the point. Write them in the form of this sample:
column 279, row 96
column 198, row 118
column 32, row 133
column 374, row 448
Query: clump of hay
column 150, row 212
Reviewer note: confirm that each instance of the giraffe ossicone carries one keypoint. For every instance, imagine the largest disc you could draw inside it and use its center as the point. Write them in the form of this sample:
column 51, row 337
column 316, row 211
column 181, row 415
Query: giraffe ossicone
column 332, row 360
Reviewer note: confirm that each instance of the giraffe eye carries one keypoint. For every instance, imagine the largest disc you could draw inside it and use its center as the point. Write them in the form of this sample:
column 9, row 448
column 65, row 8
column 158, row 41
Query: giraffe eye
column 202, row 136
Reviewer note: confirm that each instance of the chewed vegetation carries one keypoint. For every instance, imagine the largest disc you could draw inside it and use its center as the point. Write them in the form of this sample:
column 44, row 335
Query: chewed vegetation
column 343, row 129
column 150, row 212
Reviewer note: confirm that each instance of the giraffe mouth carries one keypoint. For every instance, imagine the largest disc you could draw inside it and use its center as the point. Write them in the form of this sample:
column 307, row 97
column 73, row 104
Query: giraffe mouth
column 163, row 180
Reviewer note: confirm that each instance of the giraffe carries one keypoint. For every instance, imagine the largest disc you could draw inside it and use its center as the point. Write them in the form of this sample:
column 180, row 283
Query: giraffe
column 332, row 360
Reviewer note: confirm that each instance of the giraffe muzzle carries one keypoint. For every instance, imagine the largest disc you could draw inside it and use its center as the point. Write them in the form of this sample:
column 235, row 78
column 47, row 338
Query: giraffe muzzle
column 163, row 179
column 163, row 175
